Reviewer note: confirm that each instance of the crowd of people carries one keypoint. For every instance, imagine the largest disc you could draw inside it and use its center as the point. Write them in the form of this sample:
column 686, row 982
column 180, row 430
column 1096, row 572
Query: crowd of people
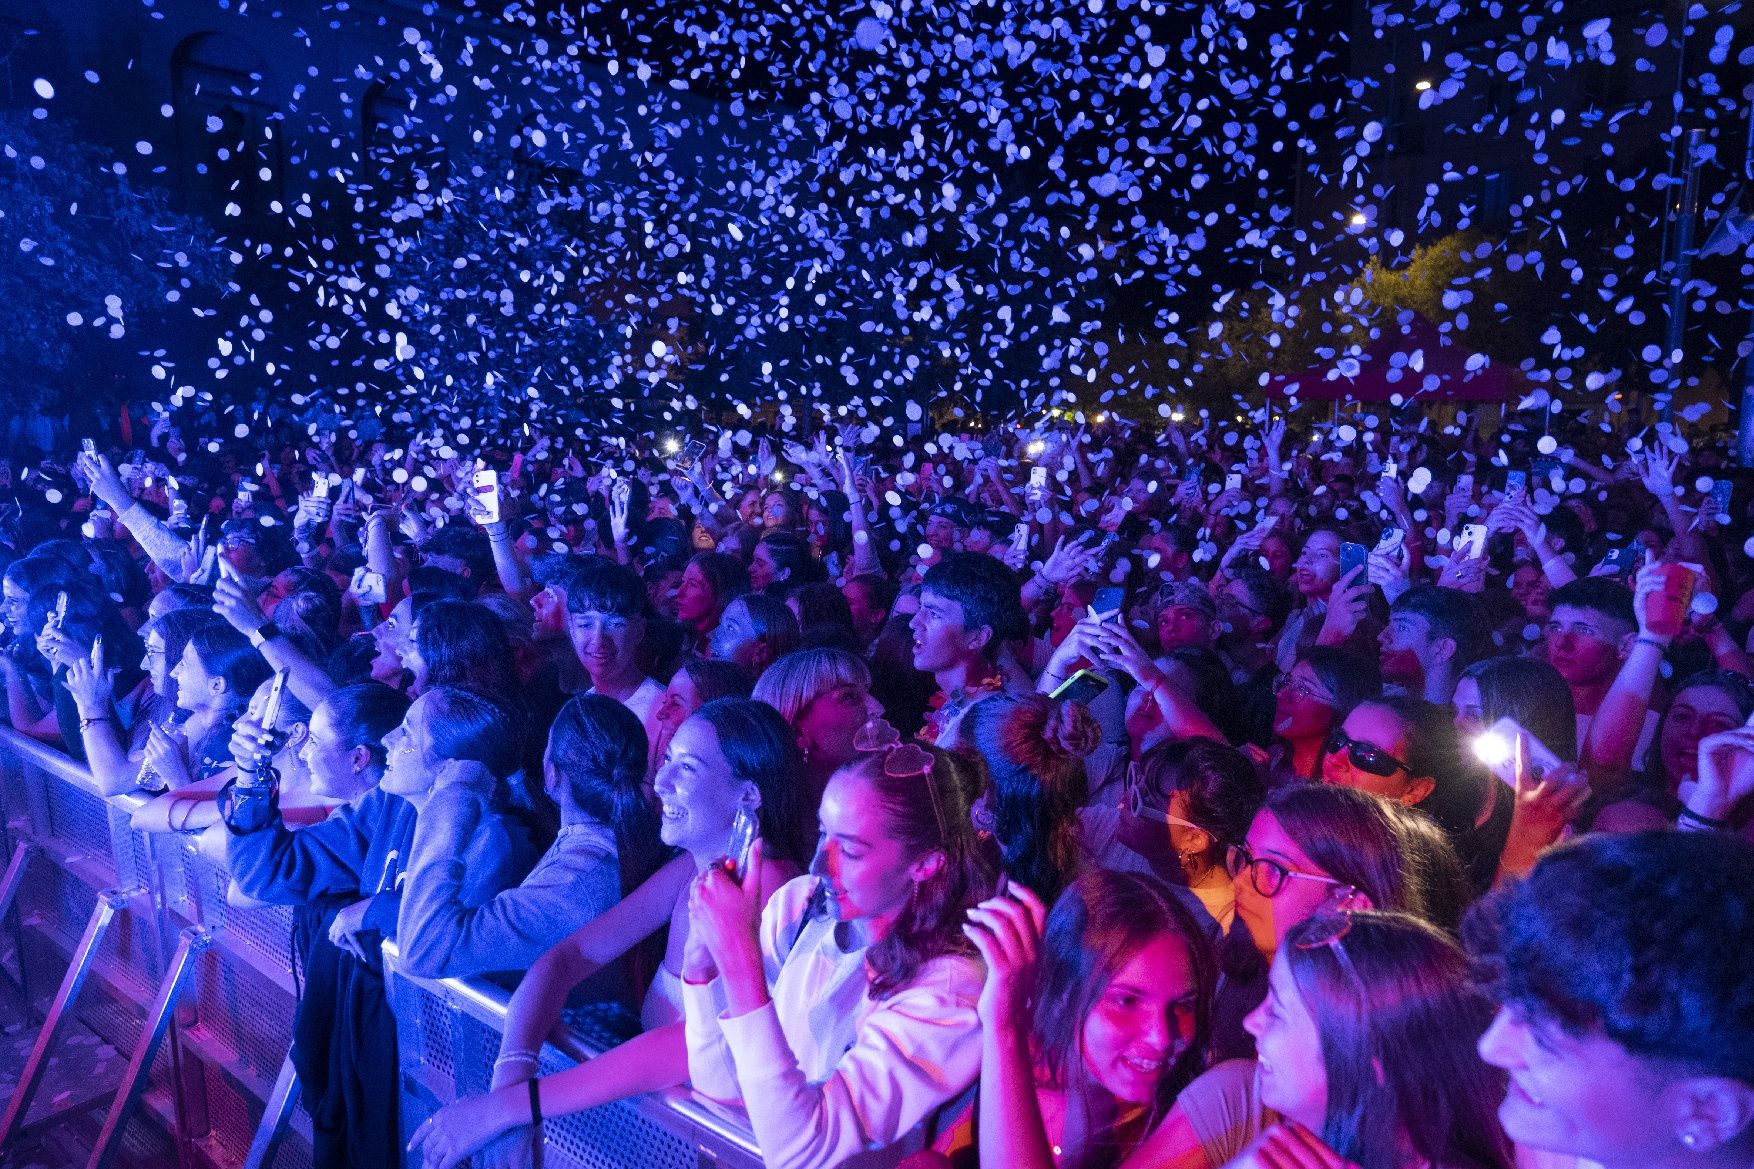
column 1372, row 793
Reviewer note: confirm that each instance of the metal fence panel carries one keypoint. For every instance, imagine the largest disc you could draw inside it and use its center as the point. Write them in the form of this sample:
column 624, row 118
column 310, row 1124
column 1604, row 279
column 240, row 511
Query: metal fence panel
column 232, row 1026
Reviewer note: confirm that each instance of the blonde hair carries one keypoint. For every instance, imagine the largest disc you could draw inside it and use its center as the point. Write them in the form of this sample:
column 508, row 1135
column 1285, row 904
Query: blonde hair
column 797, row 679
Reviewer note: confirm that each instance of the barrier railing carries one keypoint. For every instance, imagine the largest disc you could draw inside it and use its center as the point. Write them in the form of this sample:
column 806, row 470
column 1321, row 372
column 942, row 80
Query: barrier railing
column 133, row 932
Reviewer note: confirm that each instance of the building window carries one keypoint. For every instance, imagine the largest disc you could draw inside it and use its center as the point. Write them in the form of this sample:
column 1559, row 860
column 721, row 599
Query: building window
column 1495, row 201
column 228, row 134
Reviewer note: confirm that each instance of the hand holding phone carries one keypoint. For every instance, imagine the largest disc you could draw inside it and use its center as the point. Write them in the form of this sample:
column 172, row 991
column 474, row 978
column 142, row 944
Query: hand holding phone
column 1106, row 605
column 1471, row 544
column 1352, row 557
column 735, row 862
column 486, row 487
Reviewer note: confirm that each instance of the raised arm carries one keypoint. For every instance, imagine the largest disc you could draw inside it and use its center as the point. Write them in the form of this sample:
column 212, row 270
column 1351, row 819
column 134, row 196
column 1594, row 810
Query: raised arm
column 309, row 682
column 1619, row 721
column 1007, row 931
column 92, row 686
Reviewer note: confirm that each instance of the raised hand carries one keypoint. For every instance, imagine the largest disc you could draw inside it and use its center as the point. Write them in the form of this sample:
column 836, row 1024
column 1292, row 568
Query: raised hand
column 1069, row 561
column 1006, row 929
column 90, row 683
column 1656, row 470
column 1726, row 774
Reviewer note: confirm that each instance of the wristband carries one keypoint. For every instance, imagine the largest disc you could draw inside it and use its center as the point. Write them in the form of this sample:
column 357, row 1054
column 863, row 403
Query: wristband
column 1647, row 639
column 1691, row 816
column 268, row 632
column 88, row 723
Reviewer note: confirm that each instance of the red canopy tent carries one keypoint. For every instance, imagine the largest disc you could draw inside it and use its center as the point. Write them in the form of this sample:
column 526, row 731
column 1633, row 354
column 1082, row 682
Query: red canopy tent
column 1414, row 360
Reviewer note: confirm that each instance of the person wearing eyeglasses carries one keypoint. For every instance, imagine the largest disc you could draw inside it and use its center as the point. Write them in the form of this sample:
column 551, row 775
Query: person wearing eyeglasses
column 1308, row 701
column 1304, row 843
column 1366, row 1057
column 1186, row 802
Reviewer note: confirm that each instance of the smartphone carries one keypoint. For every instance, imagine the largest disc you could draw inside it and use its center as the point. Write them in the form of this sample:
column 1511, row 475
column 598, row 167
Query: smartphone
column 1392, row 539
column 97, row 650
column 1191, row 473
column 370, row 587
column 1038, row 478
column 209, row 562
column 691, row 454
column 1083, row 686
column 59, row 614
column 735, row 862
column 1497, row 750
column 1233, row 481
column 1465, row 482
column 1721, row 491
column 1472, row 542
column 486, row 486
column 1516, row 483
column 1390, row 470
column 276, row 694
column 1020, row 537
column 1107, row 603
column 1352, row 556
column 88, row 446
column 320, row 487
column 1623, row 560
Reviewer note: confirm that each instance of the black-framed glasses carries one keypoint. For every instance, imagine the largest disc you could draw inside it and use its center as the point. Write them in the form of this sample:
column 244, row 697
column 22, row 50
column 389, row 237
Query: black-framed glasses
column 1269, row 876
column 1367, row 757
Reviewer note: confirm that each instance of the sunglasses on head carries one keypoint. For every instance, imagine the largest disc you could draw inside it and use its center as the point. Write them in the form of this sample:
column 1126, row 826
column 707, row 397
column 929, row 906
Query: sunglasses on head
column 1367, row 757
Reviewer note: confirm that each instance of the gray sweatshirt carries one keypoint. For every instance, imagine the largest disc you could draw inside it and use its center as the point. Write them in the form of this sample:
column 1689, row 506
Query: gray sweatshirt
column 444, row 932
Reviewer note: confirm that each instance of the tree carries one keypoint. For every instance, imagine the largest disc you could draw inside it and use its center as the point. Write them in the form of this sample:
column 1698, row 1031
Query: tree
column 87, row 259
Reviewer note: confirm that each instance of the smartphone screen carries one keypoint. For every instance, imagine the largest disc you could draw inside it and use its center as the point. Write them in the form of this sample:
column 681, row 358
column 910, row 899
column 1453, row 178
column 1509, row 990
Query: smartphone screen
column 1108, row 601
column 1516, row 483
column 691, row 454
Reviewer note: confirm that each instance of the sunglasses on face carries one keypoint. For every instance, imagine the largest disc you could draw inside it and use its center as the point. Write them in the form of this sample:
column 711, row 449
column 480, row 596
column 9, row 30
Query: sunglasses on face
column 1366, row 757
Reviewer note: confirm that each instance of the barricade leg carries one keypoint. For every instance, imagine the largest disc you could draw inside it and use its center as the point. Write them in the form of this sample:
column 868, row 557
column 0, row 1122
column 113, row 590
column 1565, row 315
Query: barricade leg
column 9, row 883
column 275, row 1117
column 108, row 902
column 158, row 1021
column 14, row 876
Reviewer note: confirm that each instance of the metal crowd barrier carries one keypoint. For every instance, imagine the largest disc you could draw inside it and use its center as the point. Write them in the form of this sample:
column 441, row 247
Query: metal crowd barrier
column 129, row 936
